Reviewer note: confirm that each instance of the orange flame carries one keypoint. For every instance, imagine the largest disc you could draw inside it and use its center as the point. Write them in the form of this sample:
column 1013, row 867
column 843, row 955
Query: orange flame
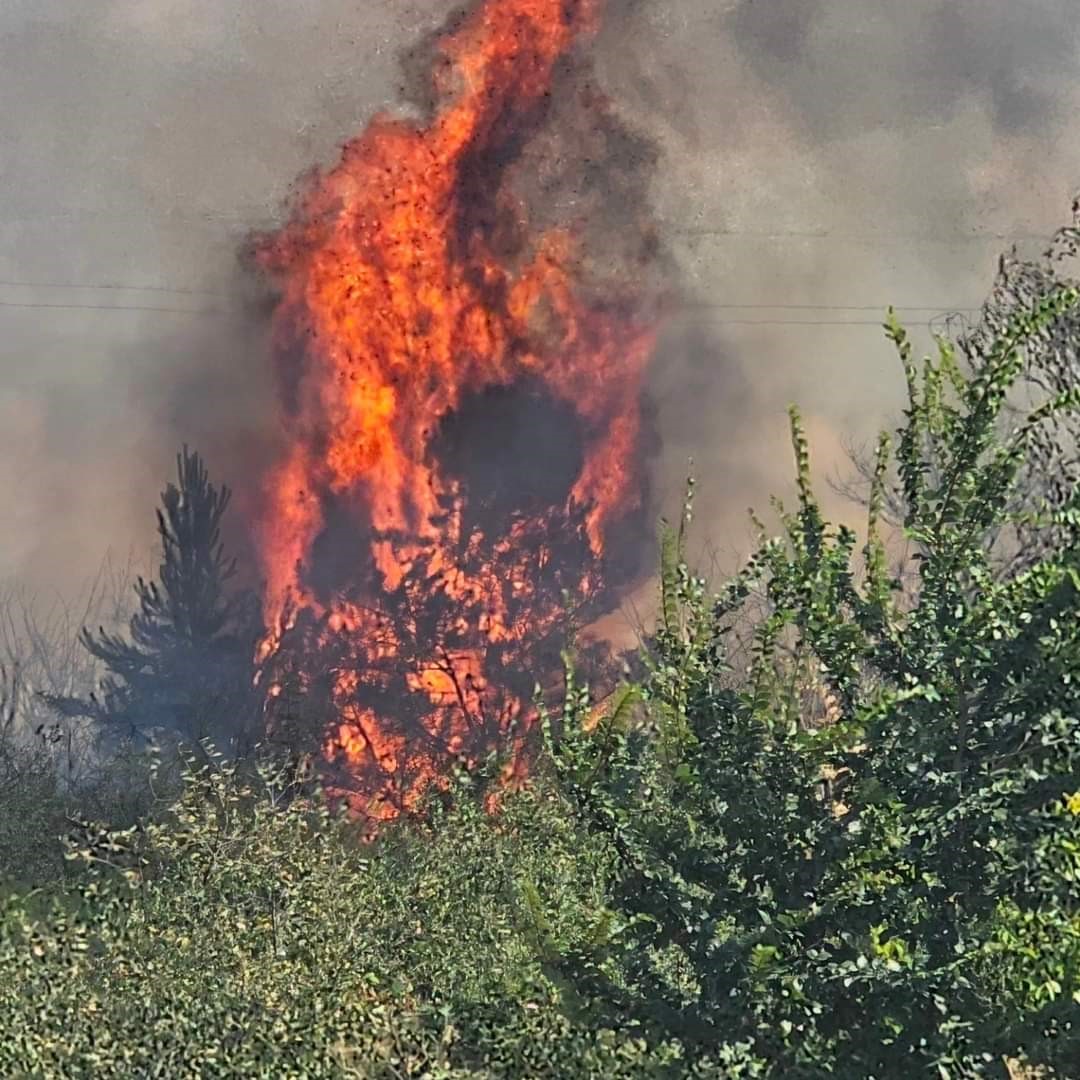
column 403, row 291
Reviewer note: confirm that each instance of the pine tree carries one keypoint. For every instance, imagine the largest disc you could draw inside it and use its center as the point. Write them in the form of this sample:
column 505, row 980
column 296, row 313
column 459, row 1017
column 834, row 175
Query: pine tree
column 186, row 664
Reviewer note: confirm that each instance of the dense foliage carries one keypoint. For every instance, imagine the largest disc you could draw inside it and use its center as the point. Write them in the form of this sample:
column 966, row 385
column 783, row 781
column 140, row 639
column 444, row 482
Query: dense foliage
column 929, row 921
column 700, row 879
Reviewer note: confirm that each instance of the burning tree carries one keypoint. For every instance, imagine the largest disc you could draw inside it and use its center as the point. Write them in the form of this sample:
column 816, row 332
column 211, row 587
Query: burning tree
column 462, row 418
column 186, row 666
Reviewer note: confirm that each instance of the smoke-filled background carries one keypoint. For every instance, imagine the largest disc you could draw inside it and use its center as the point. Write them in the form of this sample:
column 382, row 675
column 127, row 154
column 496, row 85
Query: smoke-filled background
column 818, row 160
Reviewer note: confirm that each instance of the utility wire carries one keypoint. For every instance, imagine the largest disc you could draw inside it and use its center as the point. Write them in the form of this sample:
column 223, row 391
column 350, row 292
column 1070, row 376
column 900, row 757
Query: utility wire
column 937, row 309
column 117, row 285
column 224, row 311
column 184, row 291
column 879, row 323
column 159, row 309
column 114, row 307
column 184, row 219
column 711, row 306
column 957, row 236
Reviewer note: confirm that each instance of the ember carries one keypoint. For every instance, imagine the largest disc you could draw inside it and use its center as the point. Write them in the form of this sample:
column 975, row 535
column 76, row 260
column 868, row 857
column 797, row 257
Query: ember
column 462, row 422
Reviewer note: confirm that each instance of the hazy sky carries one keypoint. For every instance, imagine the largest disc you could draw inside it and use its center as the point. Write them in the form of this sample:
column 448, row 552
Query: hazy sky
column 821, row 159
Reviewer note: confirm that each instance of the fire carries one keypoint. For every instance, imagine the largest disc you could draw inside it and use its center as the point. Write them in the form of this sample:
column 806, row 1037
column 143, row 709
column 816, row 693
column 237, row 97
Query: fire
column 409, row 288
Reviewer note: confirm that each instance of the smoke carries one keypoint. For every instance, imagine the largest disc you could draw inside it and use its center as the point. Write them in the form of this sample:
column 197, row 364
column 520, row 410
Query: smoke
column 927, row 58
column 820, row 160
column 143, row 143
column 811, row 161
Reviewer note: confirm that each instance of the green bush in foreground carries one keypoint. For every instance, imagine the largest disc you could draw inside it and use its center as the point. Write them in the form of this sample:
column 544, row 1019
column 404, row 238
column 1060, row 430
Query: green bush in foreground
column 672, row 895
column 934, row 925
column 244, row 936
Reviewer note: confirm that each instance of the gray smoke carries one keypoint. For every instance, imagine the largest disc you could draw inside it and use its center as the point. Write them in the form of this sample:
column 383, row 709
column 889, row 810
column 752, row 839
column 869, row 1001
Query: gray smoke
column 822, row 159
column 927, row 57
column 818, row 159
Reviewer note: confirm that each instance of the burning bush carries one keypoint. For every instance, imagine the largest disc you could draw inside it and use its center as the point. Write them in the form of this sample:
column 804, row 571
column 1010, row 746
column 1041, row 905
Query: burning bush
column 463, row 415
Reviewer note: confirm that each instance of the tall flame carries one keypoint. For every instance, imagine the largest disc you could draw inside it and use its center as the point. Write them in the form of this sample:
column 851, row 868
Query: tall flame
column 408, row 285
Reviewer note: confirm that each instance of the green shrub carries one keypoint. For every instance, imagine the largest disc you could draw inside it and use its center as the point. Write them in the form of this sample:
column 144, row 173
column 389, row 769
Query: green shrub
column 933, row 925
column 676, row 893
column 250, row 933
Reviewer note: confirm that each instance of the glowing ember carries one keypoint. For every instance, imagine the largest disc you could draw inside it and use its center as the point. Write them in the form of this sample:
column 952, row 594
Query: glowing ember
column 428, row 595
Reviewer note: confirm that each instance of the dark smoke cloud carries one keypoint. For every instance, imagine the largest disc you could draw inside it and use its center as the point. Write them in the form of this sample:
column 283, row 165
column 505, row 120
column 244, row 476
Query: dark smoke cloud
column 800, row 152
column 820, row 154
column 924, row 58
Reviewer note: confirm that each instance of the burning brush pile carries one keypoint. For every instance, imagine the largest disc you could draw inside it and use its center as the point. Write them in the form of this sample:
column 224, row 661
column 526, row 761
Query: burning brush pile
column 462, row 399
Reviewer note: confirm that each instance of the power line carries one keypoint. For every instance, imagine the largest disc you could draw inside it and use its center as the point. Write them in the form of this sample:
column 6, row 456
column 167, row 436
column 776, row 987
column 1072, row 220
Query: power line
column 937, row 308
column 799, row 322
column 116, row 285
column 115, row 307
column 685, row 305
column 956, row 236
column 171, row 218
column 183, row 219
column 220, row 311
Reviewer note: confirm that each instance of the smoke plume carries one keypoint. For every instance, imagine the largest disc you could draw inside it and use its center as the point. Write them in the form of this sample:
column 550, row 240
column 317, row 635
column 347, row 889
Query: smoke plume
column 811, row 161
